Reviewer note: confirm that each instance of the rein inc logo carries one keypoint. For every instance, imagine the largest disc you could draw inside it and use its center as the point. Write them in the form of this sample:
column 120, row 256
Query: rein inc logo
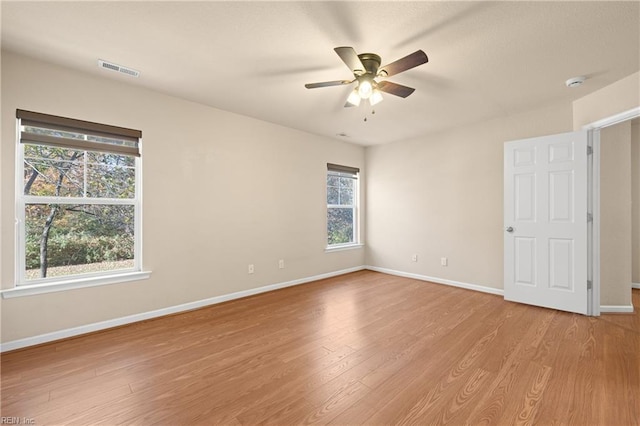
column 17, row 421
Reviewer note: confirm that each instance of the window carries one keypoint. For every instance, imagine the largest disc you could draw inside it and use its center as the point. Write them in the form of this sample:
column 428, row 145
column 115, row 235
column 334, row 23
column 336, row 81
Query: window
column 342, row 202
column 78, row 202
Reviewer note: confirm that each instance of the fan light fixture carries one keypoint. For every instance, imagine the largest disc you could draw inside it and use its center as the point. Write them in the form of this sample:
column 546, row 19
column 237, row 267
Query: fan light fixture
column 366, row 69
column 376, row 97
column 354, row 98
column 365, row 88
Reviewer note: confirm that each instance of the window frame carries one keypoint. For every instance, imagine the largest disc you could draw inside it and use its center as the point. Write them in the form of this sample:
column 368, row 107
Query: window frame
column 22, row 286
column 344, row 172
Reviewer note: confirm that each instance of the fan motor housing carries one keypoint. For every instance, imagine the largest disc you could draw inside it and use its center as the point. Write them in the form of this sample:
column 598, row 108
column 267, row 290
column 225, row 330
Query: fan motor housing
column 371, row 62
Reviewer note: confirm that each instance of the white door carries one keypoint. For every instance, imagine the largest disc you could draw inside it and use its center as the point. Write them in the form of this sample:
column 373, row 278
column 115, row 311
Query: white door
column 545, row 220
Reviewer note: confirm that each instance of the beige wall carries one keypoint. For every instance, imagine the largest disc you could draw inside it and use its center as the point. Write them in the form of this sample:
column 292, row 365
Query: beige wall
column 616, row 98
column 615, row 215
column 635, row 200
column 220, row 191
column 441, row 196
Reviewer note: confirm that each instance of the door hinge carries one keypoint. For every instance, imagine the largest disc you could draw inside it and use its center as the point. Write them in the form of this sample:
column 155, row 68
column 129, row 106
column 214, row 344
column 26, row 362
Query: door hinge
column 589, row 217
column 589, row 284
column 589, row 150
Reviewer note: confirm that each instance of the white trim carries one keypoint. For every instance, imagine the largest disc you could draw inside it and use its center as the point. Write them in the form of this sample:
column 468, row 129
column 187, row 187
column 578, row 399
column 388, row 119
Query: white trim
column 40, row 199
column 76, row 331
column 342, row 247
column 137, row 211
column 475, row 287
column 18, row 203
column 616, row 309
column 595, row 225
column 614, row 119
column 590, row 291
column 71, row 284
column 635, row 285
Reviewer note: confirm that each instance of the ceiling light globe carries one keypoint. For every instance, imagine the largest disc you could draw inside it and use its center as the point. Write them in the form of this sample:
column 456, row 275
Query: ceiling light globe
column 376, row 97
column 354, row 98
column 365, row 88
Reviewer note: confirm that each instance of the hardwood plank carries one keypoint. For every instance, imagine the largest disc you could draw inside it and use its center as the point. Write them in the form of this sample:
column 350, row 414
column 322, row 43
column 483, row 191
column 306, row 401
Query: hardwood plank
column 362, row 348
column 418, row 389
column 317, row 390
column 513, row 367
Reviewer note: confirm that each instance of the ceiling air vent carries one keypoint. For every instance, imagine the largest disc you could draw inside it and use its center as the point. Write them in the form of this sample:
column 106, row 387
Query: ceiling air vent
column 118, row 68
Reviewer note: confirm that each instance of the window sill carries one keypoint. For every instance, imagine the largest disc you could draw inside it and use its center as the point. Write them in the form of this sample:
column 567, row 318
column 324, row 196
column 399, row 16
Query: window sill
column 342, row 247
column 30, row 290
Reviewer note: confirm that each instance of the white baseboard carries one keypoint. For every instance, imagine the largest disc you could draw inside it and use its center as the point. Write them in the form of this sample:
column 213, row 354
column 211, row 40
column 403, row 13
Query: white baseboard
column 635, row 285
column 476, row 287
column 616, row 309
column 89, row 328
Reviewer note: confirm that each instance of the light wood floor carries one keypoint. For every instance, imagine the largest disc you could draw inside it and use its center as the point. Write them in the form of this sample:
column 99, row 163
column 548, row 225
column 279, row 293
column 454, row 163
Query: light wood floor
column 363, row 348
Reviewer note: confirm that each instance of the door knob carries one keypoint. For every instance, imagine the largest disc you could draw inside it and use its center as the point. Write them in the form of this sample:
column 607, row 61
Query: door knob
column 509, row 229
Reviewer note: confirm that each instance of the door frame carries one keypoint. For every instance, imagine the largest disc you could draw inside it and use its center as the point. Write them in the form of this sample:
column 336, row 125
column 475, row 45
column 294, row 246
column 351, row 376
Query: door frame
column 594, row 128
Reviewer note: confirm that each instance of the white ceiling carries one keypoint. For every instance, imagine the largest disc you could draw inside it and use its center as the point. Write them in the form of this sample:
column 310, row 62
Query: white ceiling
column 486, row 59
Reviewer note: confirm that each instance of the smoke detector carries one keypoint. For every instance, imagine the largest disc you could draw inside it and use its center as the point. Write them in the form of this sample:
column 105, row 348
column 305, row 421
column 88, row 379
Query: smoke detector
column 575, row 81
column 118, row 68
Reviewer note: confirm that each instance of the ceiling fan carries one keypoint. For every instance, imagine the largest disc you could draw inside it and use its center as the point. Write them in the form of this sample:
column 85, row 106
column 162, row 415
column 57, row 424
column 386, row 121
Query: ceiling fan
column 366, row 69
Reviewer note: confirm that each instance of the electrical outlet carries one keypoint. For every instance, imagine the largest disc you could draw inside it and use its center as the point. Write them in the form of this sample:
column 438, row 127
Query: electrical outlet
column 251, row 269
column 281, row 264
column 444, row 261
column 414, row 258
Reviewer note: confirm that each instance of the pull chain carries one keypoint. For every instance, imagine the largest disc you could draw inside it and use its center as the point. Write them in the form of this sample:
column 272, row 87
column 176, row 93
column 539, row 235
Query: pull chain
column 373, row 111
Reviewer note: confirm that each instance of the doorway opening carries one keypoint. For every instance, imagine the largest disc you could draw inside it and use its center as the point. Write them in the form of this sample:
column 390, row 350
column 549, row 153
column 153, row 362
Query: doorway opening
column 595, row 203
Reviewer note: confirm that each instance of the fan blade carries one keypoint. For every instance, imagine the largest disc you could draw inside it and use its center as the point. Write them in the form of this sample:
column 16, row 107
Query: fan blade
column 350, row 58
column 395, row 89
column 410, row 61
column 327, row 84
